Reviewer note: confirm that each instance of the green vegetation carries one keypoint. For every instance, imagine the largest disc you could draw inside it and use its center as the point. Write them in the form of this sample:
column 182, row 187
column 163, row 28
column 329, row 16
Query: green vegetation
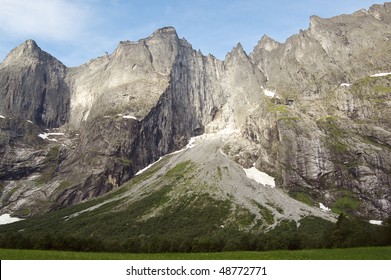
column 53, row 154
column 125, row 161
column 219, row 173
column 375, row 95
column 63, row 186
column 289, row 120
column 345, row 205
column 179, row 170
column 51, row 160
column 267, row 215
column 302, row 197
column 274, row 108
column 335, row 134
column 244, row 218
column 176, row 214
column 371, row 86
column 361, row 253
column 330, row 125
column 1, row 189
column 8, row 195
column 278, row 208
column 382, row 89
column 191, row 231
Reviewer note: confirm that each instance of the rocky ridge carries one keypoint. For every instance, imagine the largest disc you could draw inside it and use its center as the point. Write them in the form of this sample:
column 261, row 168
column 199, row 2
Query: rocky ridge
column 305, row 111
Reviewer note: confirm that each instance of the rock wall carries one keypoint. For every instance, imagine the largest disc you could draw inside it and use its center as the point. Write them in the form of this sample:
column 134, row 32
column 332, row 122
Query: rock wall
column 32, row 87
column 324, row 135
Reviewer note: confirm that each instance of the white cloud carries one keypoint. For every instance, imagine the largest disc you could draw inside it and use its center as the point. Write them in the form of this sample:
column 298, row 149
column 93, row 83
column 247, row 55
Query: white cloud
column 58, row 20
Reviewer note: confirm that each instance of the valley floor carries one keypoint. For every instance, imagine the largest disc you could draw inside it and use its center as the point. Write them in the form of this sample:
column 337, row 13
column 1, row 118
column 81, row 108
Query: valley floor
column 361, row 253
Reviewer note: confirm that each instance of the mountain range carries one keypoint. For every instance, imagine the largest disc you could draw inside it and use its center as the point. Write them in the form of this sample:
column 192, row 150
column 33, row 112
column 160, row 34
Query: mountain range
column 158, row 133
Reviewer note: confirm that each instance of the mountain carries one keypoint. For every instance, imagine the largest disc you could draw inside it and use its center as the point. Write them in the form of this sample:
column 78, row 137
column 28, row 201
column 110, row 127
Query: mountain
column 292, row 130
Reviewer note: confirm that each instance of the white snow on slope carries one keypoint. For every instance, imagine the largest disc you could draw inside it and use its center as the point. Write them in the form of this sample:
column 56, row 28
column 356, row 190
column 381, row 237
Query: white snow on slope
column 229, row 130
column 375, row 222
column 324, row 208
column 149, row 166
column 381, row 75
column 260, row 177
column 345, row 85
column 129, row 117
column 7, row 219
column 45, row 136
column 189, row 145
column 269, row 93
column 2, row 117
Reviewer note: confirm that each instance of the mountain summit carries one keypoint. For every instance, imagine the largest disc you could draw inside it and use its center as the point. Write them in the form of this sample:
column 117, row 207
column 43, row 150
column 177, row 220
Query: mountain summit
column 294, row 129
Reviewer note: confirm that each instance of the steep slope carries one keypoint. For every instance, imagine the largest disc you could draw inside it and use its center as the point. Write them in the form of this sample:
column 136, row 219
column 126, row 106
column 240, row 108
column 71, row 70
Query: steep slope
column 194, row 199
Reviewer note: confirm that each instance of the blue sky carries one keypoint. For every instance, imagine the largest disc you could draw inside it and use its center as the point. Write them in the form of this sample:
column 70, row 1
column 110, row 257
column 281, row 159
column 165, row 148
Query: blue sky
column 75, row 31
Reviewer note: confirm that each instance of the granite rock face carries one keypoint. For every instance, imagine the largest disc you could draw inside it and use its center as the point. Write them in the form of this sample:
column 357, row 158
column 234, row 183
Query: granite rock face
column 331, row 118
column 32, row 86
column 306, row 111
column 332, row 51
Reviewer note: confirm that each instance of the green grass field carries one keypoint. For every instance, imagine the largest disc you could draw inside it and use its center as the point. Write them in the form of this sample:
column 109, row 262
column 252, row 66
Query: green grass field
column 363, row 253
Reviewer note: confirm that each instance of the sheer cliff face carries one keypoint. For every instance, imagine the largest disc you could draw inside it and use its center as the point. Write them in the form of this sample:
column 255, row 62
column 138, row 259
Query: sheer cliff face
column 333, row 127
column 122, row 111
column 32, row 86
column 129, row 81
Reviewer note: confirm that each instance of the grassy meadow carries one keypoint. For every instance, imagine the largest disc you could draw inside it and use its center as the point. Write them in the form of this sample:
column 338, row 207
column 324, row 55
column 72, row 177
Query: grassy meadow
column 361, row 253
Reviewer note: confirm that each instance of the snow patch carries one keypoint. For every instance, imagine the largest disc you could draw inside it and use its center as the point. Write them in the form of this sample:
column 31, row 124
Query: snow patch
column 260, row 177
column 381, row 74
column 2, row 117
column 345, row 85
column 129, row 117
column 269, row 93
column 324, row 208
column 376, row 222
column 45, row 136
column 146, row 168
column 29, row 121
column 7, row 219
column 228, row 131
column 191, row 144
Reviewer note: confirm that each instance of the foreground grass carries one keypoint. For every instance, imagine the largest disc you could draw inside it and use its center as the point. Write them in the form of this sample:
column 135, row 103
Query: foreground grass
column 364, row 253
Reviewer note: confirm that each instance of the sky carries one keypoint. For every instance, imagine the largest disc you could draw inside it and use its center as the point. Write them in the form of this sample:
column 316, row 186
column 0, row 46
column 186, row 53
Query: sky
column 76, row 31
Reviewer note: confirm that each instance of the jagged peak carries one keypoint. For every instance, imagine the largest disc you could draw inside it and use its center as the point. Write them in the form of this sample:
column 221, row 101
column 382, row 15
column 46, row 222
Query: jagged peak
column 165, row 30
column 237, row 49
column 31, row 43
column 28, row 45
column 379, row 11
column 314, row 21
column 159, row 33
column 237, row 52
column 28, row 48
column 268, row 43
